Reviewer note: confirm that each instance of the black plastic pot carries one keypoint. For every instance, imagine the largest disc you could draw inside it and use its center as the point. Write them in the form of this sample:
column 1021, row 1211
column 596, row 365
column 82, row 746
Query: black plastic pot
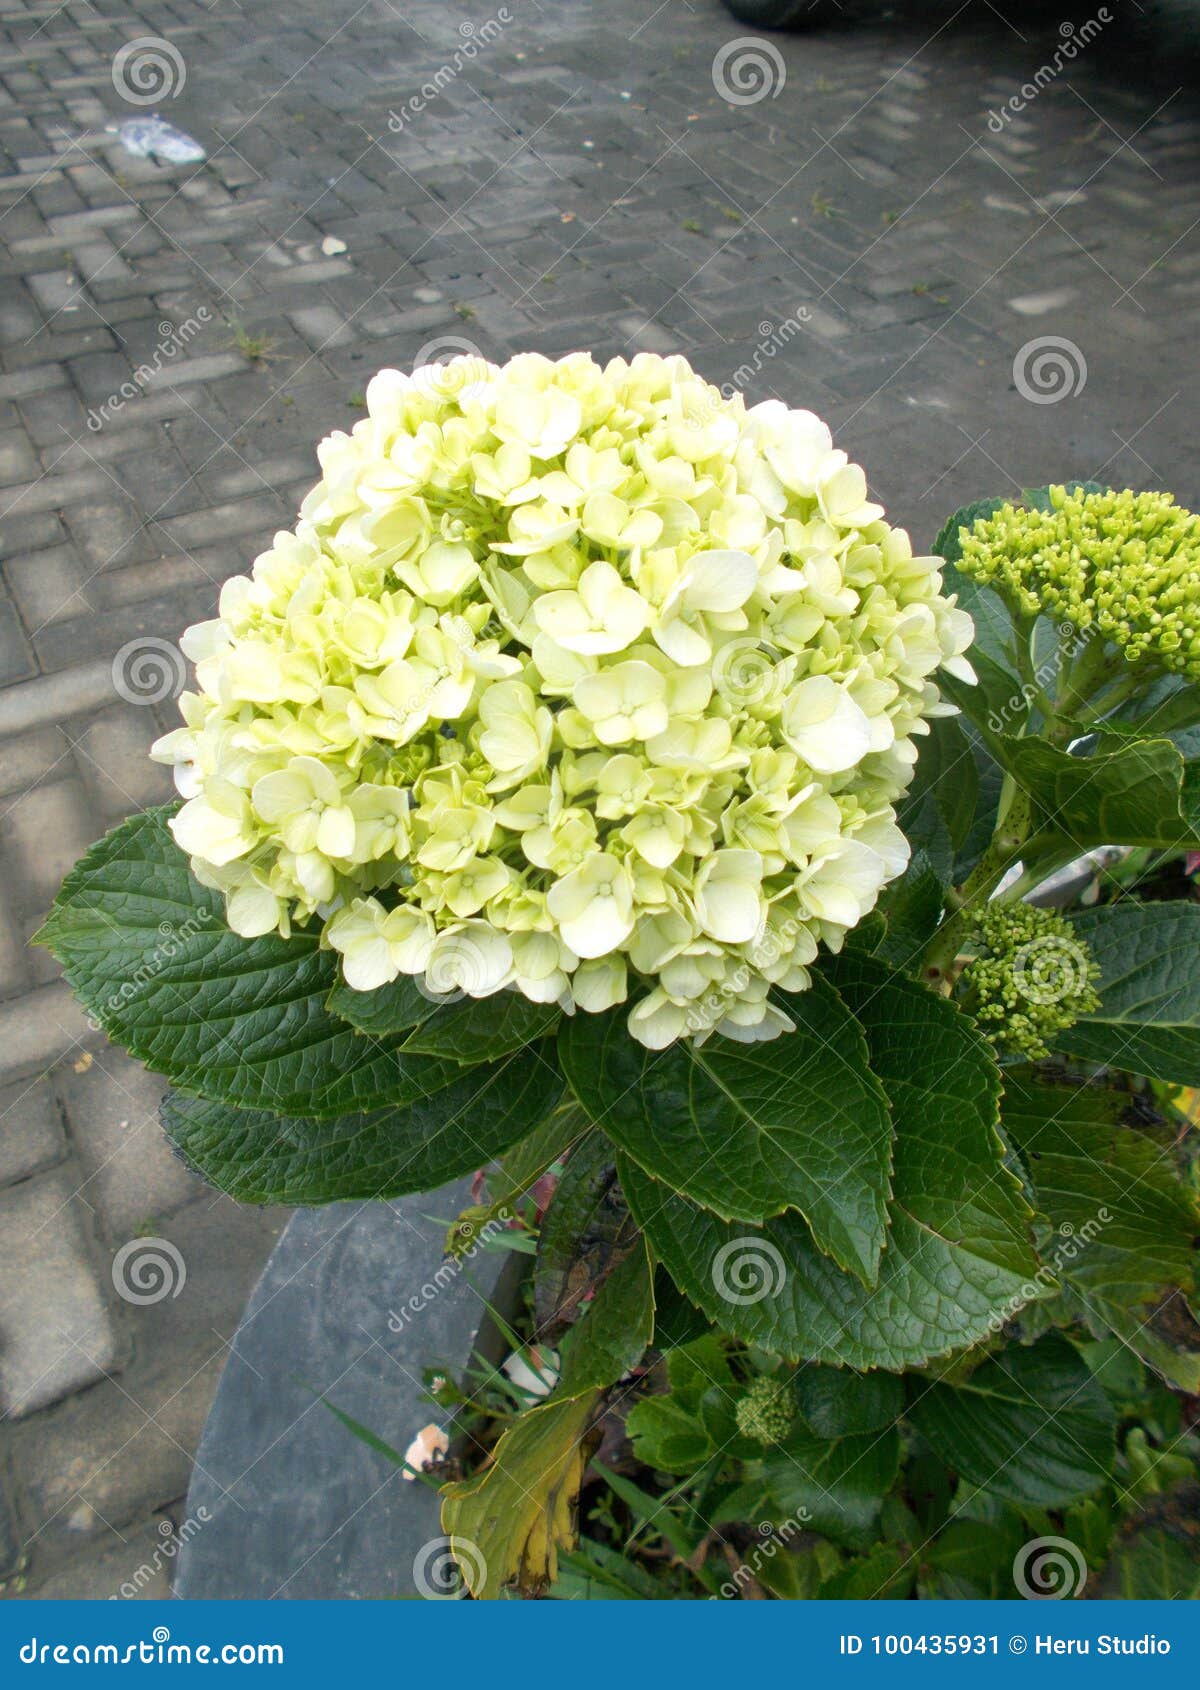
column 284, row 1500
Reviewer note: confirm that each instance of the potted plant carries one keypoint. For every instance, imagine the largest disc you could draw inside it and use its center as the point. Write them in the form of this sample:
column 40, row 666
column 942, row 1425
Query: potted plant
column 595, row 782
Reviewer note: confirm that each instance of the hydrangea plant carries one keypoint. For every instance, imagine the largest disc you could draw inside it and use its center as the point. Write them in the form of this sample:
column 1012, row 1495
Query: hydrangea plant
column 594, row 788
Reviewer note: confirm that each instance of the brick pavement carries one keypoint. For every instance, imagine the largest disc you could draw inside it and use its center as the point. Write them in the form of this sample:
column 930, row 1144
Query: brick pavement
column 874, row 233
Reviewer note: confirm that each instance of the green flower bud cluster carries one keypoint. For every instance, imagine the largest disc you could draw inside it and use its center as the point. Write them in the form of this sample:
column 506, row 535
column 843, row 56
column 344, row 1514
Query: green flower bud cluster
column 767, row 1411
column 1124, row 564
column 1032, row 977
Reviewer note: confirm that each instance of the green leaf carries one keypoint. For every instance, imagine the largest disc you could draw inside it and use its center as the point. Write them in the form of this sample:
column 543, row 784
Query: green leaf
column 1156, row 1566
column 240, row 1021
column 833, row 1486
column 958, row 1255
column 596, row 1573
column 680, row 1431
column 886, row 1573
column 1148, row 1021
column 837, row 1404
column 945, row 782
column 616, row 1328
column 1122, row 793
column 259, row 1157
column 974, row 1558
column 913, row 906
column 1029, row 1425
column 1124, row 1224
column 482, row 1029
column 394, row 1008
column 581, row 1230
column 750, row 1130
column 466, row 1030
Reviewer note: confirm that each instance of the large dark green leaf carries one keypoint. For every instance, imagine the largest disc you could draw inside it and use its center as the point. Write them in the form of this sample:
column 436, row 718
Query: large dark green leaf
column 1124, row 1225
column 465, row 1030
column 241, row 1021
column 944, row 789
column 259, row 1157
column 837, row 1404
column 393, row 1008
column 1123, row 793
column 1148, row 1021
column 835, row 1486
column 1029, row 1425
column 750, row 1130
column 913, row 907
column 958, row 1257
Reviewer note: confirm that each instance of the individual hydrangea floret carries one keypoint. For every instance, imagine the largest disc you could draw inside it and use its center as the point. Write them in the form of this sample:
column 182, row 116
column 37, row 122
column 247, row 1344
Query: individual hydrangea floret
column 1032, row 978
column 585, row 683
column 1125, row 564
column 768, row 1410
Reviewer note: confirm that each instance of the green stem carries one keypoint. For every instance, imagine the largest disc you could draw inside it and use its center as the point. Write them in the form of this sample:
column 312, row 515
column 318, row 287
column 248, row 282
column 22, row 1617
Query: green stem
column 1015, row 817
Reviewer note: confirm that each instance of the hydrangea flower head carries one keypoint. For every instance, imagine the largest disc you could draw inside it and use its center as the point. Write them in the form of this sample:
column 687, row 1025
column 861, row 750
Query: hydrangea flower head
column 1126, row 564
column 582, row 682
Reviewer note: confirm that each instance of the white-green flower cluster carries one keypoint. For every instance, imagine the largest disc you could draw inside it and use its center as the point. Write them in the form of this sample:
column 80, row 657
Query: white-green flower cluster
column 583, row 682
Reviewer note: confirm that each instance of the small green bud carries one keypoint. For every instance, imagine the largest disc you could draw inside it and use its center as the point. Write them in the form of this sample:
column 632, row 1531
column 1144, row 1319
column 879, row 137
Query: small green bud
column 767, row 1410
column 1032, row 977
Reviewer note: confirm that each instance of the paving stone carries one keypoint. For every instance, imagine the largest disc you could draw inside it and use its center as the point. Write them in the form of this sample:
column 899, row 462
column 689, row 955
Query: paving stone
column 29, row 758
column 133, row 1567
column 14, row 956
column 31, row 1131
column 132, row 1177
column 42, row 834
column 48, row 585
column 121, row 1449
column 56, row 1334
column 10, row 1531
column 113, row 757
column 50, row 698
column 16, row 661
column 40, row 1028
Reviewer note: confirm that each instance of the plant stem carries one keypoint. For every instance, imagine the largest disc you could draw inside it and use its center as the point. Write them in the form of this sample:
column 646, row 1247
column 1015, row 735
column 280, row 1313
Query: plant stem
column 1013, row 823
